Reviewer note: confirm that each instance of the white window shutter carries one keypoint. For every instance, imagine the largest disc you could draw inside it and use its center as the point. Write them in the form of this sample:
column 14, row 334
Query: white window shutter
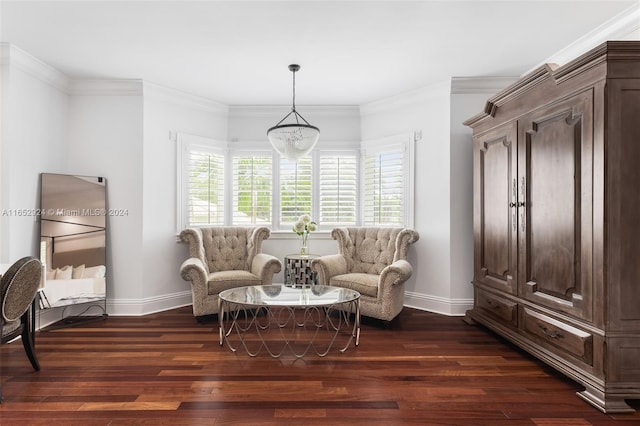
column 296, row 185
column 385, row 186
column 251, row 193
column 338, row 189
column 205, row 187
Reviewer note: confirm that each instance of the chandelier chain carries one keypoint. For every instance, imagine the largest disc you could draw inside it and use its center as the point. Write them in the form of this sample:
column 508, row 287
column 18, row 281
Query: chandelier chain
column 293, row 103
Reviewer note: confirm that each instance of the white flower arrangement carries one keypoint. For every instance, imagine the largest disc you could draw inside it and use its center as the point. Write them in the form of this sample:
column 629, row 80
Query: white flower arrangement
column 303, row 227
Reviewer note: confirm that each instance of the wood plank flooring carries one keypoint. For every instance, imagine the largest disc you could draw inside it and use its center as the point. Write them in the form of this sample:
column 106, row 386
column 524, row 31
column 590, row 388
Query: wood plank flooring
column 166, row 368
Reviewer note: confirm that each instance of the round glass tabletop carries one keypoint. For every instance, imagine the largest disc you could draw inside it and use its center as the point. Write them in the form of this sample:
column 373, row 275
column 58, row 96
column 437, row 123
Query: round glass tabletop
column 281, row 295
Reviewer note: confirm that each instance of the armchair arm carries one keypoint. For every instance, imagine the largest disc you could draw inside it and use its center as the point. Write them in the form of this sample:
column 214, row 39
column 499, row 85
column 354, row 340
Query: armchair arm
column 195, row 271
column 193, row 237
column 329, row 266
column 265, row 266
column 396, row 273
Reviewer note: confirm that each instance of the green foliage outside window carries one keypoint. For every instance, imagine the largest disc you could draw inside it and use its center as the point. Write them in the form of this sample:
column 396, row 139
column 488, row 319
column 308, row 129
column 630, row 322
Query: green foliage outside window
column 252, row 189
column 206, row 195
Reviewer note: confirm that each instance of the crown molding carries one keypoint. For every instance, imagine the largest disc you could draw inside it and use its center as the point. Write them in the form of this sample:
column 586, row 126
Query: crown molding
column 480, row 85
column 616, row 28
column 158, row 93
column 105, row 87
column 270, row 111
column 15, row 57
column 408, row 99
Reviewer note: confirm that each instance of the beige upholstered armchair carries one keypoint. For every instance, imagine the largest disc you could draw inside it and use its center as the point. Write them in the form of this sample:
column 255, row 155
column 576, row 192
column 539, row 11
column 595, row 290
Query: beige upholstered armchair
column 225, row 257
column 372, row 261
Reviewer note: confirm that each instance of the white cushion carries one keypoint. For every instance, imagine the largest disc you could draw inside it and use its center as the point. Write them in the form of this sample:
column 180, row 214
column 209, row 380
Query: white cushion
column 64, row 273
column 51, row 274
column 78, row 272
column 94, row 272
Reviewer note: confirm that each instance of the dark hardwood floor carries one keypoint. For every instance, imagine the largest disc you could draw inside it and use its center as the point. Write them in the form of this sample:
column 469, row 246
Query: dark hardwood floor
column 166, row 368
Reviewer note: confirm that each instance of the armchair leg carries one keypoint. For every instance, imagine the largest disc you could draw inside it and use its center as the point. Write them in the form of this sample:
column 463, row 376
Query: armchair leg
column 205, row 319
column 27, row 342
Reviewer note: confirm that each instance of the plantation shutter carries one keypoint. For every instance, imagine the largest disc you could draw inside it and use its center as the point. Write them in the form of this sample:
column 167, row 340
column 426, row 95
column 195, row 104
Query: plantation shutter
column 384, row 186
column 295, row 189
column 338, row 189
column 205, row 187
column 252, row 189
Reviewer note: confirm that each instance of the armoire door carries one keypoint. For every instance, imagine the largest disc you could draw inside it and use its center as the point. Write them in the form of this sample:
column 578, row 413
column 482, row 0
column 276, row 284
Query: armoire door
column 495, row 220
column 555, row 188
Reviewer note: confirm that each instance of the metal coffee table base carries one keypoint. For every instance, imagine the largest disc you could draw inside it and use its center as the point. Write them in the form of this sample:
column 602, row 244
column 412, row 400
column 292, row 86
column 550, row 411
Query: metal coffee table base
column 283, row 329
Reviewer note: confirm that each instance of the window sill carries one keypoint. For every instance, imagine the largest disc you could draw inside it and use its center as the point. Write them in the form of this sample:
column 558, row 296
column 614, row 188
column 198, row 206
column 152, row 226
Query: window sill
column 290, row 235
column 287, row 235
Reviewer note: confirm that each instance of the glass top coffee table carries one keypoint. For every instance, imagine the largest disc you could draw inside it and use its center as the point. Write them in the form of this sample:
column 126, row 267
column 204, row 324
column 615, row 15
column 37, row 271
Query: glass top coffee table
column 283, row 319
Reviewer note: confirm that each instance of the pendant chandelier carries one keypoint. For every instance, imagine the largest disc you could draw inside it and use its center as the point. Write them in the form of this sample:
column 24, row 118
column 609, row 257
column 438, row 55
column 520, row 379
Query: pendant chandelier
column 297, row 139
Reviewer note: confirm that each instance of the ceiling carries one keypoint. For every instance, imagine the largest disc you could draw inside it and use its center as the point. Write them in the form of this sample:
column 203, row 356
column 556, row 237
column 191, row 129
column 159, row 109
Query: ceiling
column 351, row 52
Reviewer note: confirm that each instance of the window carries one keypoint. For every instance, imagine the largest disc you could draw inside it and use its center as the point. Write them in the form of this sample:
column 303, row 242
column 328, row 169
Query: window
column 251, row 193
column 370, row 186
column 202, row 165
column 295, row 189
column 387, row 182
column 338, row 187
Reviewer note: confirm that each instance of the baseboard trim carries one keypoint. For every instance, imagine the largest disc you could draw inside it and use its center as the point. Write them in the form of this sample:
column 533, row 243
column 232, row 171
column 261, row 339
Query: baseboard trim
column 436, row 304
column 150, row 305
column 117, row 307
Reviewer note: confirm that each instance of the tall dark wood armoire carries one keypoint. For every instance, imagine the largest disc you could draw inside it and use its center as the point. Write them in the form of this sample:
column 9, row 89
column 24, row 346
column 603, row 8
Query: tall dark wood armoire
column 557, row 219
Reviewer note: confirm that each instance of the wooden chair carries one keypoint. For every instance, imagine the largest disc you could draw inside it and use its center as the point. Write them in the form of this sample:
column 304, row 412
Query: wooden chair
column 19, row 286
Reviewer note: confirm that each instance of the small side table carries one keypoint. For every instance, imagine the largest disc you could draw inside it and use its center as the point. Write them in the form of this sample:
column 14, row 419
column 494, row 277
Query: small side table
column 297, row 270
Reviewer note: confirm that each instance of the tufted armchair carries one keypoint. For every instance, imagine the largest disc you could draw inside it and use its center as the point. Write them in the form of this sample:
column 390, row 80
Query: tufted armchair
column 225, row 257
column 373, row 262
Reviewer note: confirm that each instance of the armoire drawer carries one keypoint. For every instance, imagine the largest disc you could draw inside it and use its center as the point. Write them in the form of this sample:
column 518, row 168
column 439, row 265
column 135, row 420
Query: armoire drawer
column 500, row 308
column 565, row 337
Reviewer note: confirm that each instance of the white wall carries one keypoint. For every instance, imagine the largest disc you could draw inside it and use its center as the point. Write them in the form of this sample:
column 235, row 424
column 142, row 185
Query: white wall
column 105, row 139
column 443, row 257
column 468, row 98
column 34, row 124
column 336, row 123
column 463, row 106
column 426, row 110
column 166, row 112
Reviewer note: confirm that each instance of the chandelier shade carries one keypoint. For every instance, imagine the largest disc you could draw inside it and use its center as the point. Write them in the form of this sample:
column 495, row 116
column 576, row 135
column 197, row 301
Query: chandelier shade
column 297, row 139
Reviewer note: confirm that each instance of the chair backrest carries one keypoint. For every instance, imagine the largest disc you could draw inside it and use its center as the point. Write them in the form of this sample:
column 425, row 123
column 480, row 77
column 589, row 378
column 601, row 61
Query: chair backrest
column 225, row 248
column 370, row 250
column 19, row 287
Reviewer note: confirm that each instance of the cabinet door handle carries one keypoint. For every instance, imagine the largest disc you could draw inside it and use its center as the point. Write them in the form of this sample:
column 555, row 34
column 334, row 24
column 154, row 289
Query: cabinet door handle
column 551, row 334
column 523, row 194
column 518, row 204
